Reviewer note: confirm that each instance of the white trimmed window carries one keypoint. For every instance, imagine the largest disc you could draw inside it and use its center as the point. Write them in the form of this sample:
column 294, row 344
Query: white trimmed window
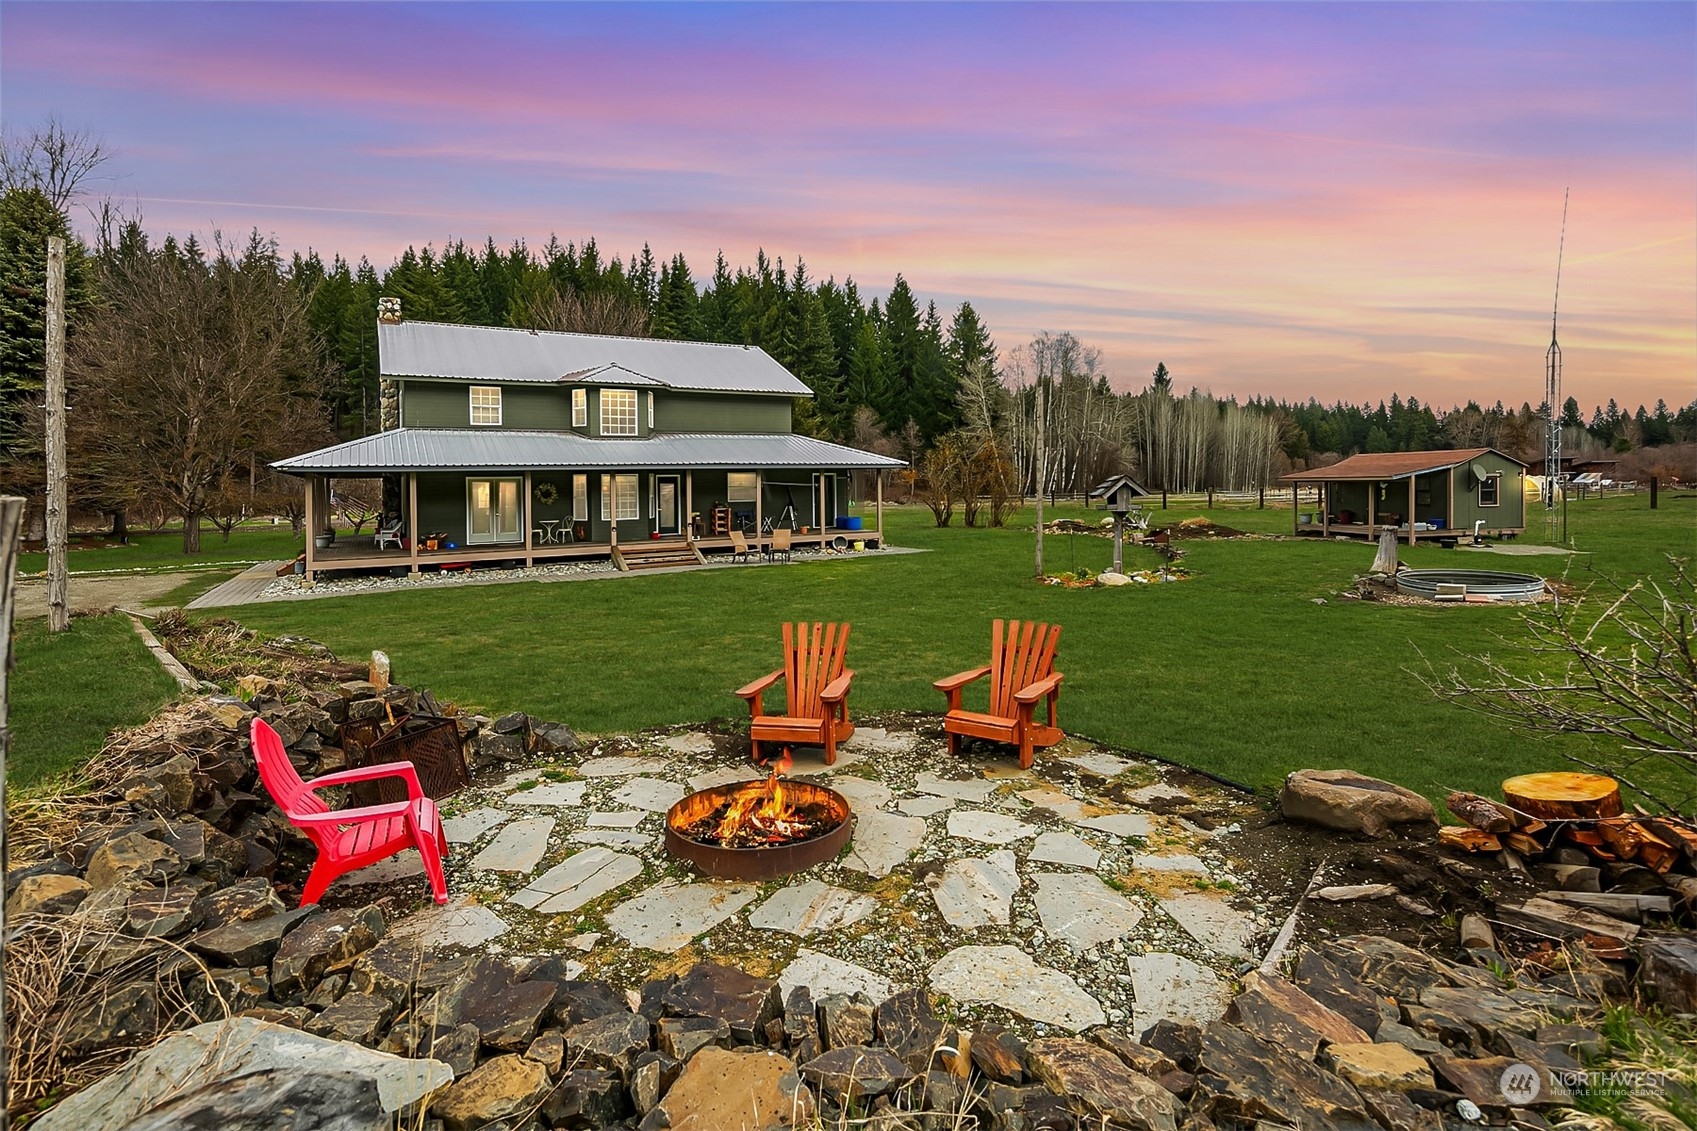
column 619, row 500
column 580, row 408
column 651, row 412
column 1490, row 491
column 618, row 412
column 486, row 404
column 740, row 486
column 580, row 498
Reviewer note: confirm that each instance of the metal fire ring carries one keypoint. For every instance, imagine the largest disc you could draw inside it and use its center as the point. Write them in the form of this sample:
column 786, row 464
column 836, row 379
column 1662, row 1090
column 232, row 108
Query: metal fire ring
column 763, row 863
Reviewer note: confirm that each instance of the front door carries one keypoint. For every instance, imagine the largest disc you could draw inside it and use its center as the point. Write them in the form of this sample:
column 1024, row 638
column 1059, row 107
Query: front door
column 668, row 499
column 492, row 511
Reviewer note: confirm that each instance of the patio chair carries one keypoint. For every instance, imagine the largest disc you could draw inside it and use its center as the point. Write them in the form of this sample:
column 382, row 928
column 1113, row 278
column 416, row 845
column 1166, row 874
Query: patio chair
column 389, row 536
column 1021, row 672
column 739, row 546
column 349, row 839
column 816, row 688
column 779, row 543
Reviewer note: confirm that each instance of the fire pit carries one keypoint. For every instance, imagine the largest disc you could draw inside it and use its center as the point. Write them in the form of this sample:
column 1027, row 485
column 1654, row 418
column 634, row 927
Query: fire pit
column 759, row 830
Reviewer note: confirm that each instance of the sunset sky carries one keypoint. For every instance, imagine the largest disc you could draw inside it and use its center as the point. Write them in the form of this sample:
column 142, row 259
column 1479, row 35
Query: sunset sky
column 1338, row 200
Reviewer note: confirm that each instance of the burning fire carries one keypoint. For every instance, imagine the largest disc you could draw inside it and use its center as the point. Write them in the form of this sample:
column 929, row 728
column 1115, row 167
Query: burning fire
column 763, row 816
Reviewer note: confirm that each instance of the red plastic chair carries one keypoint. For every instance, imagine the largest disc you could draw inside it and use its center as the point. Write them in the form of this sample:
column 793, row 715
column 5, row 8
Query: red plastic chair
column 349, row 839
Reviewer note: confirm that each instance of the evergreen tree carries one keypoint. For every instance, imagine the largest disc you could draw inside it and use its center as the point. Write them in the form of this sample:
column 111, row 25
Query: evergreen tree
column 677, row 307
column 27, row 219
column 1570, row 417
column 904, row 359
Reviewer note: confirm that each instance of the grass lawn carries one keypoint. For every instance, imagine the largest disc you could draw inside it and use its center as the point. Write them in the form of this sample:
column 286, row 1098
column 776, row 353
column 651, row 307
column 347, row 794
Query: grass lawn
column 68, row 691
column 162, row 551
column 1237, row 672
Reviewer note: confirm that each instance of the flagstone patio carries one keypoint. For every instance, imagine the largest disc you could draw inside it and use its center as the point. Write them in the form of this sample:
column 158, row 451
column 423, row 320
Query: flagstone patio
column 1046, row 898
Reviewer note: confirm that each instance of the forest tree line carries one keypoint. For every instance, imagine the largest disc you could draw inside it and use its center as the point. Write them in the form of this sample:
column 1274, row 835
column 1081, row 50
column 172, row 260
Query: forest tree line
column 194, row 364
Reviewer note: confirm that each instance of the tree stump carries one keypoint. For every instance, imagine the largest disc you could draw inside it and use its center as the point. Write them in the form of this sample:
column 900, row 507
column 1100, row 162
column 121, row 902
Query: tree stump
column 1564, row 796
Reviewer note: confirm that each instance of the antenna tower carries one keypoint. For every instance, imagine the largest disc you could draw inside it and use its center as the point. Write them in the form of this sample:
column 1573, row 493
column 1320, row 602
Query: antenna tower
column 1554, row 527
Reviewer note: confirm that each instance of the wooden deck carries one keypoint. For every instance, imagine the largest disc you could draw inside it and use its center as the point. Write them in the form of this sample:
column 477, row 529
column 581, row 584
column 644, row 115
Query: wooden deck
column 357, row 553
column 1369, row 532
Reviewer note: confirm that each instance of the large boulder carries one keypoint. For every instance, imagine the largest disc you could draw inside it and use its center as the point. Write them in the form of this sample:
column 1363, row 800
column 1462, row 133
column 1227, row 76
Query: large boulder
column 274, row 1098
column 329, row 941
column 131, row 860
column 47, row 894
column 1353, row 803
column 225, row 1050
column 709, row 989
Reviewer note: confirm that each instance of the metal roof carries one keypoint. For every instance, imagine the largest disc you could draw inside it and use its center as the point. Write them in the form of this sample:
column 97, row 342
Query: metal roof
column 497, row 353
column 456, row 449
column 1375, row 466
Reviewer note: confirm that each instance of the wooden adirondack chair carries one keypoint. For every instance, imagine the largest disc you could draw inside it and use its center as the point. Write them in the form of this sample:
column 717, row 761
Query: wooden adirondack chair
column 348, row 839
column 1021, row 672
column 816, row 687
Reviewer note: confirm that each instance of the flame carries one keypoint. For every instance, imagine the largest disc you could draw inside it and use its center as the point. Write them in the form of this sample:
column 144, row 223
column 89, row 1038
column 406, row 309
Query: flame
column 767, row 813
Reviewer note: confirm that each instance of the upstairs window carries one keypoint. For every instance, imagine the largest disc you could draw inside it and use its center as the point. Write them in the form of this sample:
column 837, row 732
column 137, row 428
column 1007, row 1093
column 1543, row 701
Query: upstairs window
column 486, row 404
column 1488, row 491
column 580, row 408
column 618, row 412
column 651, row 412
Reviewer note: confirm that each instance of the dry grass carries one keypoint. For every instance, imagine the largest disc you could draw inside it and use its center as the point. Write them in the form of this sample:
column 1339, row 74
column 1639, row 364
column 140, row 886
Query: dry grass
column 61, row 969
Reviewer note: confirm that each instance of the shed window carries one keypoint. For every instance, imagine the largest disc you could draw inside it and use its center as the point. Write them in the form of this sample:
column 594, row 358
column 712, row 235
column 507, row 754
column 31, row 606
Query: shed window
column 580, row 408
column 740, row 486
column 618, row 412
column 486, row 404
column 619, row 500
column 1489, row 491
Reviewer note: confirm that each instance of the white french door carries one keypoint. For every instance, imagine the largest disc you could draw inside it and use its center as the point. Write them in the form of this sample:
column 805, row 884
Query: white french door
column 493, row 511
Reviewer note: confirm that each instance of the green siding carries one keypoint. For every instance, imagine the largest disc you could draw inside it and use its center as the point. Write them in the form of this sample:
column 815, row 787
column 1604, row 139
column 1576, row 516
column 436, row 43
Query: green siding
column 441, row 404
column 720, row 412
column 1509, row 514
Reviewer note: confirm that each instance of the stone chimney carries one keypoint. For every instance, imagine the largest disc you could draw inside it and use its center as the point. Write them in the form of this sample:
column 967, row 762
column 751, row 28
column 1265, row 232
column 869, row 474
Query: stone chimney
column 388, row 392
column 389, row 310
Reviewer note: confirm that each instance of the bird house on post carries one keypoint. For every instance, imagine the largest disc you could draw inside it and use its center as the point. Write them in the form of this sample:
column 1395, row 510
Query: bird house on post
column 1119, row 494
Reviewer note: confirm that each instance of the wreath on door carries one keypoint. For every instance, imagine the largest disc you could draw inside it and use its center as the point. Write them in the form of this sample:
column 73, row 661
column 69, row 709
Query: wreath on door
column 547, row 494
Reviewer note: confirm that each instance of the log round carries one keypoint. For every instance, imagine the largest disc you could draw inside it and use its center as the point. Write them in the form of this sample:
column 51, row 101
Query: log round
column 1564, row 796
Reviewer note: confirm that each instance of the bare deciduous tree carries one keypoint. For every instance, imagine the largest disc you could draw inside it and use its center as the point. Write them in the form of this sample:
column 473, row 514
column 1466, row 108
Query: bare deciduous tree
column 191, row 374
column 586, row 314
column 52, row 158
column 1616, row 664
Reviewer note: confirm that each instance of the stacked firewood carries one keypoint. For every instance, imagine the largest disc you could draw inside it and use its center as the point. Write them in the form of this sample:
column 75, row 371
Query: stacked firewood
column 1607, row 870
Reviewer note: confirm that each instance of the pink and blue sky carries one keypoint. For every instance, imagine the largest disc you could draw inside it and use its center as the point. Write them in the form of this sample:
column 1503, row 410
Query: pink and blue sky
column 1340, row 200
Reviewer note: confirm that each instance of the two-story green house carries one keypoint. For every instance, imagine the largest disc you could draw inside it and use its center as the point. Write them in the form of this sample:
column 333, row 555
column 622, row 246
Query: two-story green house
column 521, row 445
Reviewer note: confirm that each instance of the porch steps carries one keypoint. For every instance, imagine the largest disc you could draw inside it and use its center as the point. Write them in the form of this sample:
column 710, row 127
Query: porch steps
column 656, row 555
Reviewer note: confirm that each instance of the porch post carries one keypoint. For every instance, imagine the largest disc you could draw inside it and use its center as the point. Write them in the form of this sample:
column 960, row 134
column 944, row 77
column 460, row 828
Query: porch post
column 1325, row 496
column 524, row 517
column 878, row 478
column 311, row 486
column 412, row 517
column 759, row 506
column 1295, row 503
column 689, row 507
column 1411, row 480
column 1449, row 509
column 1372, row 500
column 824, row 519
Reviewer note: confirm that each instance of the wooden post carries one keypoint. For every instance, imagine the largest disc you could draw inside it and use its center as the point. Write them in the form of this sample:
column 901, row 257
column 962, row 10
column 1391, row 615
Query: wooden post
column 1295, row 503
column 311, row 489
column 11, row 519
column 527, row 519
column 1325, row 504
column 1041, row 408
column 1372, row 501
column 689, row 507
column 1210, row 497
column 412, row 517
column 878, row 479
column 1163, row 498
column 1411, row 480
column 1119, row 543
column 1449, row 514
column 1261, row 498
column 58, row 517
column 759, row 508
column 1653, row 485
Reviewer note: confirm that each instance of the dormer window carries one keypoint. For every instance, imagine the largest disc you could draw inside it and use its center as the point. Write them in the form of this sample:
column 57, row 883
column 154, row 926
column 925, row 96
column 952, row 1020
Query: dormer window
column 618, row 412
column 580, row 408
column 486, row 404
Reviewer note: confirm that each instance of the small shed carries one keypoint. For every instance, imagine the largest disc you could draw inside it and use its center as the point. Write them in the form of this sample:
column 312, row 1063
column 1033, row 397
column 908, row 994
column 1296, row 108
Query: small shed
column 1120, row 494
column 1421, row 495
